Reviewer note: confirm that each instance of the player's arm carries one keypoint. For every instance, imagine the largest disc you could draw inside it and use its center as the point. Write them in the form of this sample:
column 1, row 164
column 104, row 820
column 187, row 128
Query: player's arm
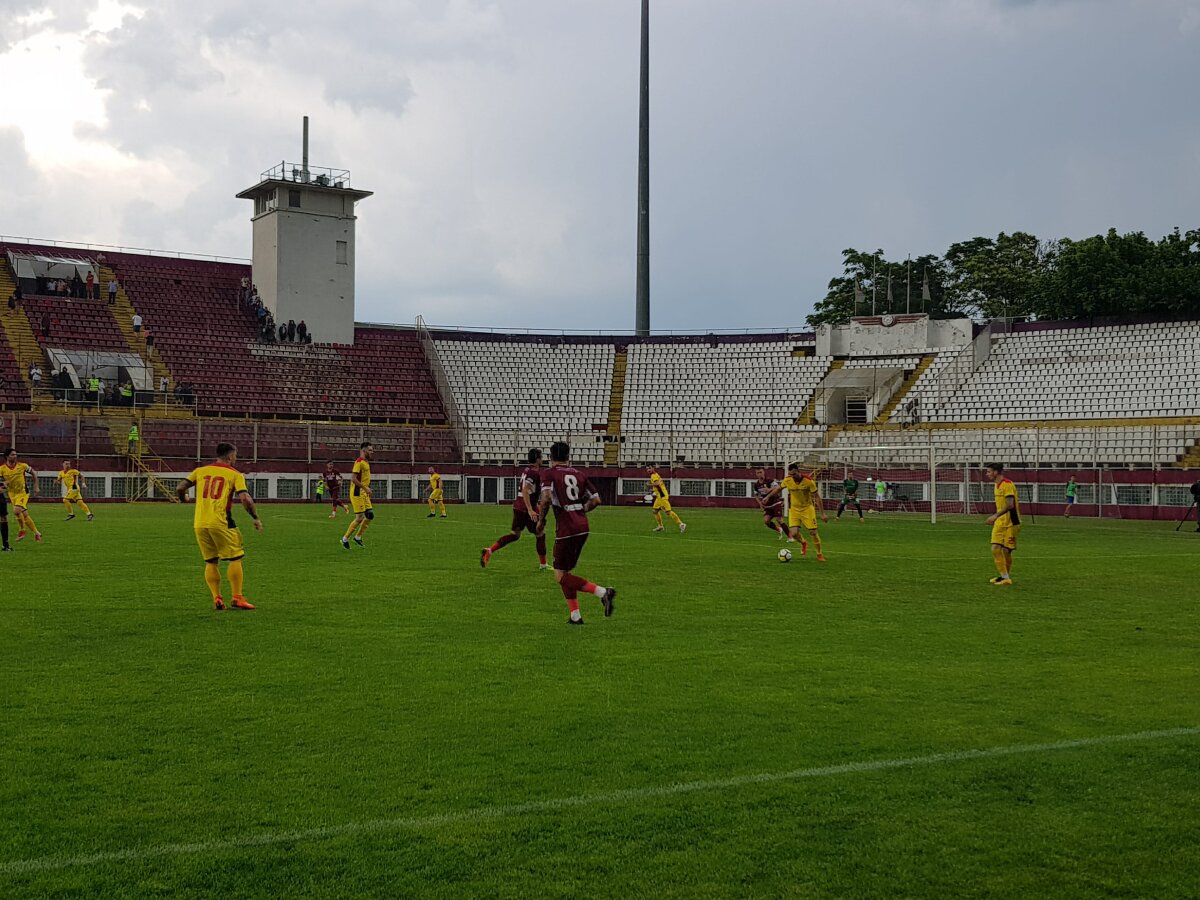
column 771, row 493
column 593, row 501
column 248, row 505
column 820, row 505
column 1010, row 503
column 181, row 490
column 34, row 477
column 543, row 503
column 525, row 492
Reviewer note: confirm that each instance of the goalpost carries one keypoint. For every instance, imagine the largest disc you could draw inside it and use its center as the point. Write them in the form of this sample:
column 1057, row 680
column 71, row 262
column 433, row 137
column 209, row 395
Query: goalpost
column 913, row 478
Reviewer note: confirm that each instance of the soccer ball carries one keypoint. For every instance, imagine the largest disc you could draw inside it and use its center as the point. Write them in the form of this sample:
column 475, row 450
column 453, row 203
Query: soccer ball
column 785, row 555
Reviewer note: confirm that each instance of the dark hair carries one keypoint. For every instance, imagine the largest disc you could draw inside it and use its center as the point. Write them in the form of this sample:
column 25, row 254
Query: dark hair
column 533, row 455
column 560, row 451
column 995, row 467
column 10, row 450
column 364, row 445
column 223, row 450
column 794, row 467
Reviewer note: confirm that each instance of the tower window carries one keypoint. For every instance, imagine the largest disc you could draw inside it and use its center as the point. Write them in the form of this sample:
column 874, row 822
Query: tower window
column 294, row 199
column 341, row 253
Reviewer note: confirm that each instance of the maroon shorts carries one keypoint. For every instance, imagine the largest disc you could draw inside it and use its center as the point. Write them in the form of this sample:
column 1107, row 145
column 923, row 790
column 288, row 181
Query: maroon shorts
column 522, row 522
column 331, row 494
column 773, row 512
column 567, row 550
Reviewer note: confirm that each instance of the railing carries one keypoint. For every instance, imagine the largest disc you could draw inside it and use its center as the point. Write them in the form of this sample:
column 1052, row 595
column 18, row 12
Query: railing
column 441, row 382
column 302, row 174
column 77, row 245
column 71, row 399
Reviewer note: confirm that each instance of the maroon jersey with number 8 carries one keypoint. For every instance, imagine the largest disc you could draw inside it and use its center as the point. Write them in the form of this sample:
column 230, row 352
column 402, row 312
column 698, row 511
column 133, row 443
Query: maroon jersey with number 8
column 569, row 491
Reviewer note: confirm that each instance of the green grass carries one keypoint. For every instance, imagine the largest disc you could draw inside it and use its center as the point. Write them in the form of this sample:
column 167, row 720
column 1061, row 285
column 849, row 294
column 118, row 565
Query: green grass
column 403, row 698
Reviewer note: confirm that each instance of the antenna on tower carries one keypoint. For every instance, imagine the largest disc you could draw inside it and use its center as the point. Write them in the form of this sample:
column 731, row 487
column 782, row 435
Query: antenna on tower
column 643, row 222
column 304, row 154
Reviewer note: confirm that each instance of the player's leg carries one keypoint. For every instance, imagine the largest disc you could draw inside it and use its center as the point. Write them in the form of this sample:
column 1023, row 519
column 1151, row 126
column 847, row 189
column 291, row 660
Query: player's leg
column 658, row 525
column 82, row 504
column 67, row 504
column 815, row 536
column 566, row 556
column 351, row 528
column 37, row 535
column 367, row 517
column 1001, row 560
column 858, row 509
column 4, row 528
column 678, row 521
column 769, row 522
column 841, row 506
column 212, row 577
column 441, row 506
column 540, row 544
column 432, row 506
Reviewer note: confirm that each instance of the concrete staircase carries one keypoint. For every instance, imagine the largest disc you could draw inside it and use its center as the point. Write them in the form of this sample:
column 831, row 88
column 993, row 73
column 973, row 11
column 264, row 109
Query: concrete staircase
column 808, row 415
column 904, row 388
column 1191, row 459
column 20, row 336
column 122, row 313
column 616, row 402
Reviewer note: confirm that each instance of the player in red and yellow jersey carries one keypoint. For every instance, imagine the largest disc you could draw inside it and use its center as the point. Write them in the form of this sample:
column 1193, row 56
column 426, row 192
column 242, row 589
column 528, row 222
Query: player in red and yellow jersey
column 434, row 495
column 217, row 484
column 804, row 502
column 662, row 501
column 1005, row 522
column 360, row 496
column 72, row 483
column 14, row 474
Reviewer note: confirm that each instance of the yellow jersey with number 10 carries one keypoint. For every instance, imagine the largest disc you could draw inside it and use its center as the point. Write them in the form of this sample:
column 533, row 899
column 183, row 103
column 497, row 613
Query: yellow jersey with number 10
column 216, row 486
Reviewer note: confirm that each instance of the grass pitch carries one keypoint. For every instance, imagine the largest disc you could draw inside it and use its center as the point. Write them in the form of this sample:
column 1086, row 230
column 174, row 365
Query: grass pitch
column 397, row 721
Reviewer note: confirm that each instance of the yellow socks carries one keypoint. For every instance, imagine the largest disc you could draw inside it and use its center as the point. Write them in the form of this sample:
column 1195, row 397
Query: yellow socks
column 67, row 504
column 441, row 507
column 235, row 577
column 349, row 531
column 1001, row 562
column 212, row 577
column 29, row 522
column 362, row 529
column 675, row 518
column 84, row 507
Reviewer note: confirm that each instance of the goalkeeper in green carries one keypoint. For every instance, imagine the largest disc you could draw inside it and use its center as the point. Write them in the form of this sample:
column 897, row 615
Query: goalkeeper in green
column 850, row 495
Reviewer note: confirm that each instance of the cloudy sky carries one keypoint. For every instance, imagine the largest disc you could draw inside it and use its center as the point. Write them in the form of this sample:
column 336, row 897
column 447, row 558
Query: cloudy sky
column 500, row 138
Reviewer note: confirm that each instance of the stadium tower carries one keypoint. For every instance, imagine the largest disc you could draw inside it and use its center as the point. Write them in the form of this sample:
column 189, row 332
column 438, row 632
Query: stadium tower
column 304, row 245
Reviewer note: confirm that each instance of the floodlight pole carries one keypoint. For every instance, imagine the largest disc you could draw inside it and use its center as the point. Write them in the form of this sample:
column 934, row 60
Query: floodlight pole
column 643, row 199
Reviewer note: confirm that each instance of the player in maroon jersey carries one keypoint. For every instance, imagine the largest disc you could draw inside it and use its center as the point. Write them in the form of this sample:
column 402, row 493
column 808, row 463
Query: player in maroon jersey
column 525, row 516
column 573, row 497
column 333, row 489
column 772, row 511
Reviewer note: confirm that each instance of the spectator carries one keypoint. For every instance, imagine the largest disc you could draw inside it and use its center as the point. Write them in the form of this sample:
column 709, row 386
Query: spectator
column 302, row 331
column 77, row 286
column 112, row 291
column 126, row 393
column 291, row 327
column 93, row 388
column 149, row 337
column 162, row 386
column 134, row 439
column 137, row 323
column 91, row 285
column 46, row 324
column 12, row 303
column 282, row 333
column 35, row 375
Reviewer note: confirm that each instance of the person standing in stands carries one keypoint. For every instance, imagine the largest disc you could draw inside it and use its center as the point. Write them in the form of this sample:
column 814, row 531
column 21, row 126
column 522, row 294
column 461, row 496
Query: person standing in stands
column 137, row 323
column 91, row 285
column 291, row 327
column 1072, row 492
column 302, row 331
column 149, row 338
column 134, row 439
column 112, row 290
column 46, row 323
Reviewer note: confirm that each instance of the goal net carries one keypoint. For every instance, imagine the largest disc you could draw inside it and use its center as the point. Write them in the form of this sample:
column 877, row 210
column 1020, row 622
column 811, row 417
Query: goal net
column 906, row 479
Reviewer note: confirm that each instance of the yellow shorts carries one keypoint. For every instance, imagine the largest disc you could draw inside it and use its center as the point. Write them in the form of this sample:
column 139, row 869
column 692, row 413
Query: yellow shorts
column 73, row 495
column 220, row 543
column 1005, row 535
column 360, row 503
column 436, row 496
column 662, row 505
column 21, row 500
column 806, row 516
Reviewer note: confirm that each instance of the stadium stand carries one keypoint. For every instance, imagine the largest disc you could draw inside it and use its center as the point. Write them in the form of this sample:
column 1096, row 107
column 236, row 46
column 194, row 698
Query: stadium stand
column 74, row 324
column 1045, row 373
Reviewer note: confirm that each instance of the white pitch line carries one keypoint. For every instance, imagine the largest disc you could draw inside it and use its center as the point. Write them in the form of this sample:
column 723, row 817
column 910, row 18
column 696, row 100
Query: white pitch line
column 491, row 813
